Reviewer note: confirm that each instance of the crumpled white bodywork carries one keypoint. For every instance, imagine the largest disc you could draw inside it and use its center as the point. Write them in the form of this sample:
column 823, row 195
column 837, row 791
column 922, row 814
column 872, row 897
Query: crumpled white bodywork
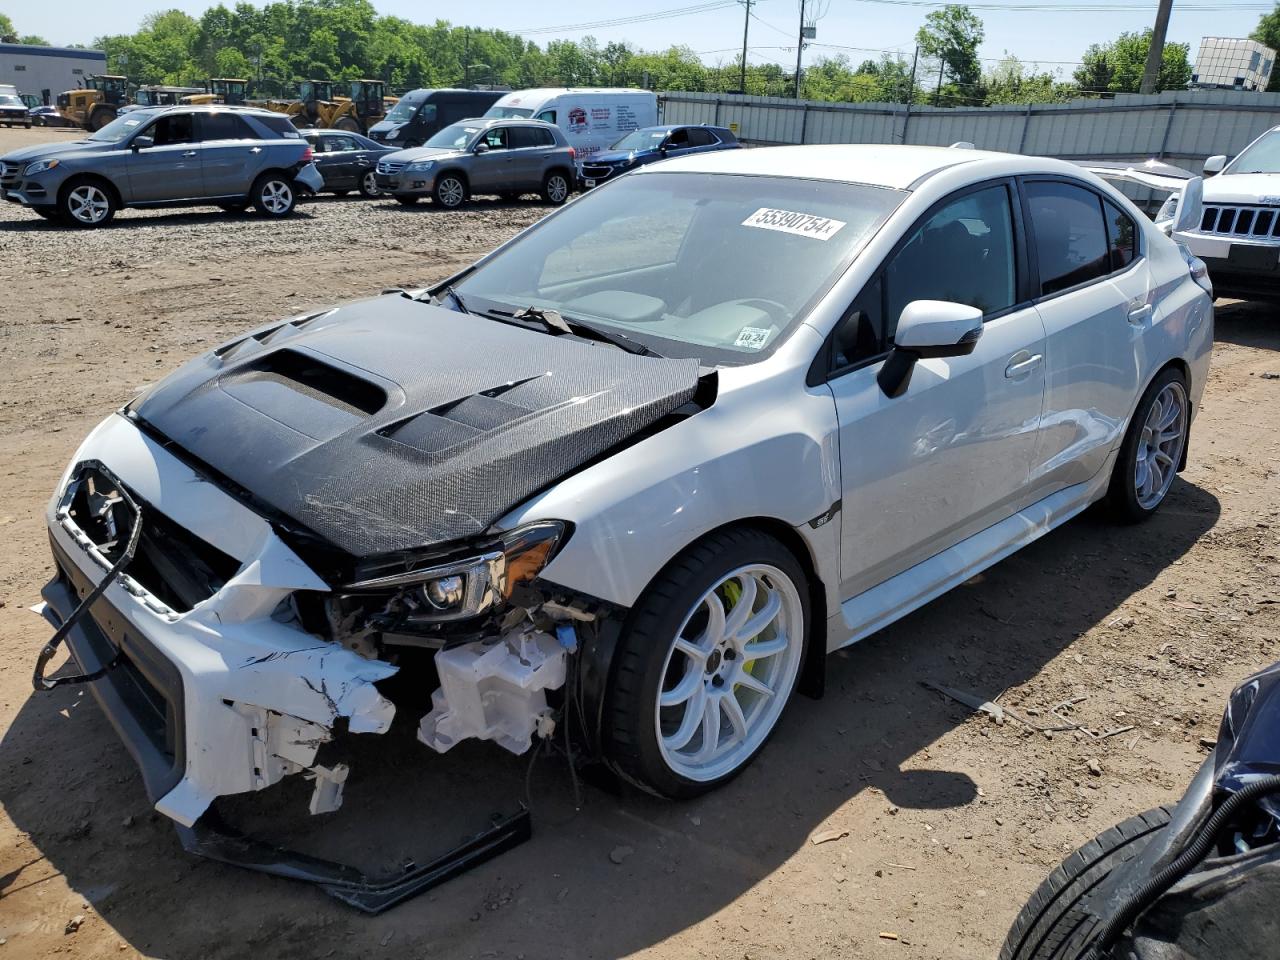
column 260, row 695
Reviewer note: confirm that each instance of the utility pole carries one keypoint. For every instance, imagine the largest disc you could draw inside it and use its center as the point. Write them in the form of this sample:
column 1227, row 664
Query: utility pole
column 937, row 92
column 746, row 25
column 466, row 57
column 799, row 49
column 911, row 84
column 1155, row 55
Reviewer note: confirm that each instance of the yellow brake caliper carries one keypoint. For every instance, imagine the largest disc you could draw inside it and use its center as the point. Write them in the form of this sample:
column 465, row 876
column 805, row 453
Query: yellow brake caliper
column 733, row 593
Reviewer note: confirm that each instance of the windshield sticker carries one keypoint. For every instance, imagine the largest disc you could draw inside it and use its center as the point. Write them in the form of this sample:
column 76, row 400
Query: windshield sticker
column 753, row 338
column 788, row 221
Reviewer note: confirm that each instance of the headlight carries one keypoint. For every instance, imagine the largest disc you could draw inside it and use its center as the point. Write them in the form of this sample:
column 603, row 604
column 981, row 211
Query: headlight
column 421, row 166
column 393, row 134
column 1164, row 216
column 40, row 166
column 474, row 585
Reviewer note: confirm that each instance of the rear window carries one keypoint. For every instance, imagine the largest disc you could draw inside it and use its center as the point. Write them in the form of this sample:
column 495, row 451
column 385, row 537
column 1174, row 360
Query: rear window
column 530, row 137
column 281, row 126
column 224, row 126
column 509, row 113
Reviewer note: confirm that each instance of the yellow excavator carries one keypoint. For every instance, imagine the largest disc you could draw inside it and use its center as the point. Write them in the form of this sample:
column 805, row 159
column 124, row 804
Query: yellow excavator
column 95, row 104
column 221, row 90
column 317, row 105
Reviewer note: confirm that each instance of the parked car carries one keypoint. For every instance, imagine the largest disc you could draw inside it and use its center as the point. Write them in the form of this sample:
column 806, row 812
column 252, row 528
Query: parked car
column 420, row 114
column 346, row 160
column 1197, row 880
column 503, row 157
column 650, row 145
column 13, row 112
column 590, row 118
column 1238, row 235
column 170, row 156
column 48, row 116
column 658, row 455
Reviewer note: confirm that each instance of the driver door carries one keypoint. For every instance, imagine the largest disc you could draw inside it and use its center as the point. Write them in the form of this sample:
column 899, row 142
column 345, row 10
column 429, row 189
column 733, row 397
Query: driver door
column 171, row 168
column 952, row 455
column 491, row 171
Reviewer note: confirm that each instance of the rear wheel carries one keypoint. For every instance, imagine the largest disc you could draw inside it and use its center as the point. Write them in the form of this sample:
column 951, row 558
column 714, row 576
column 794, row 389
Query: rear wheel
column 101, row 117
column 706, row 664
column 450, row 191
column 87, row 203
column 1152, row 449
column 369, row 185
column 273, row 195
column 555, row 188
column 348, row 124
column 1054, row 925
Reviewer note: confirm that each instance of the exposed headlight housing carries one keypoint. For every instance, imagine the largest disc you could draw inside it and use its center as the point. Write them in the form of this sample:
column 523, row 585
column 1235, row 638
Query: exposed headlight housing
column 1164, row 216
column 393, row 134
column 40, row 166
column 421, row 166
column 464, row 588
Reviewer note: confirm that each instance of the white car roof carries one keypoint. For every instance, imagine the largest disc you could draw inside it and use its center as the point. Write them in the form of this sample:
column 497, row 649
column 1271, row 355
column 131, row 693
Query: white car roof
column 884, row 165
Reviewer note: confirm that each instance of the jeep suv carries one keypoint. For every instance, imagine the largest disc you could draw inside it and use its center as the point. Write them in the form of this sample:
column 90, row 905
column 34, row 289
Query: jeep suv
column 503, row 157
column 169, row 156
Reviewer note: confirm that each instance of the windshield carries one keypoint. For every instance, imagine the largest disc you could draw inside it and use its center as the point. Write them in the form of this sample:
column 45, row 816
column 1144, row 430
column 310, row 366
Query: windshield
column 1263, row 156
column 641, row 140
column 456, row 136
column 716, row 267
column 506, row 113
column 404, row 111
column 121, row 127
column 8, row 101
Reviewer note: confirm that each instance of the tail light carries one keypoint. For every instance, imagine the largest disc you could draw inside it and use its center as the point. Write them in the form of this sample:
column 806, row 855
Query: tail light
column 1199, row 270
column 308, row 154
column 573, row 154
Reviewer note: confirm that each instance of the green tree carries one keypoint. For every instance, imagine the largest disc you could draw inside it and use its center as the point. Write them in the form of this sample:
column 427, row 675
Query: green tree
column 951, row 37
column 34, row 40
column 1118, row 66
column 1267, row 31
column 8, row 32
column 1009, row 81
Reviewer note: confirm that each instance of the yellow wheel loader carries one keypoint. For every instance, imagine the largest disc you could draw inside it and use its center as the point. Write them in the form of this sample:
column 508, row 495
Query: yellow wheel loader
column 95, row 104
column 221, row 90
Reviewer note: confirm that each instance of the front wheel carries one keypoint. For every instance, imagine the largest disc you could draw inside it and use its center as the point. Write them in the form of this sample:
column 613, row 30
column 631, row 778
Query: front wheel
column 273, row 196
column 1152, row 449
column 555, row 188
column 706, row 664
column 87, row 203
column 450, row 191
column 369, row 185
column 1055, row 923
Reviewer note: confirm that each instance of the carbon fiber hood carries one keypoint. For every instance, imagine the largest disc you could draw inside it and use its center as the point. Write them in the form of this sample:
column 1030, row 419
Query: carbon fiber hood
column 390, row 424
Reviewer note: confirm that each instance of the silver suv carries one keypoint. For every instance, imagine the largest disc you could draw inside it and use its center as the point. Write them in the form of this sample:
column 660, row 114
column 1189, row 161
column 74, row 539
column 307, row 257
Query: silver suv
column 169, row 156
column 493, row 156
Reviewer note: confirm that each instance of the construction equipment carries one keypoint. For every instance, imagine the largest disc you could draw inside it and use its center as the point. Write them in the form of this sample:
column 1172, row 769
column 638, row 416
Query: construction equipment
column 221, row 90
column 95, row 104
column 318, row 106
column 155, row 95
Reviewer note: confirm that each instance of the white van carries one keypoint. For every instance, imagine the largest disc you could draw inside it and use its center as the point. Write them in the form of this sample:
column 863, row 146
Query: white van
column 592, row 119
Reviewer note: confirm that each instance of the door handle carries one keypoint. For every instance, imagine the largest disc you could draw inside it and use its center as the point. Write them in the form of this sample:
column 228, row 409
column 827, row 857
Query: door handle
column 1140, row 315
column 1021, row 364
column 188, row 153
column 255, row 149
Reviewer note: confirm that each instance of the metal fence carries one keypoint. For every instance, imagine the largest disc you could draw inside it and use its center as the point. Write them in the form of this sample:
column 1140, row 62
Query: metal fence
column 1181, row 127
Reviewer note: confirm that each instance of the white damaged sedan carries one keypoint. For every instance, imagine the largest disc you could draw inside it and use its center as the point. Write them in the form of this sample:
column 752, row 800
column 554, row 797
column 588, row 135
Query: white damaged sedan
column 628, row 478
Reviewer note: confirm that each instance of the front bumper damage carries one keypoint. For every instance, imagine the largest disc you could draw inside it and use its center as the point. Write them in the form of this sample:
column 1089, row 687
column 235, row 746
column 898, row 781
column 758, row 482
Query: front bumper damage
column 233, row 694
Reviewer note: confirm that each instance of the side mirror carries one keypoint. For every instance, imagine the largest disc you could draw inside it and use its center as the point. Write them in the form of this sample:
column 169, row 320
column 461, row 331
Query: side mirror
column 1190, row 207
column 928, row 328
column 481, row 148
column 142, row 141
column 1214, row 164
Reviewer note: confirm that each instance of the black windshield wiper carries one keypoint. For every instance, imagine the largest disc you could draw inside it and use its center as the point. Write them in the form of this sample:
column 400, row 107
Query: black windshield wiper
column 555, row 320
column 453, row 295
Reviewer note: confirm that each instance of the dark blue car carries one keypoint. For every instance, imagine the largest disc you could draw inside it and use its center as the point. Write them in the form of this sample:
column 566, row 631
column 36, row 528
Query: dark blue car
column 651, row 144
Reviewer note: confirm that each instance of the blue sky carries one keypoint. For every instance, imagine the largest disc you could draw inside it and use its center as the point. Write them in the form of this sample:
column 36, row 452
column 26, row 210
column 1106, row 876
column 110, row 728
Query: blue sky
column 1040, row 34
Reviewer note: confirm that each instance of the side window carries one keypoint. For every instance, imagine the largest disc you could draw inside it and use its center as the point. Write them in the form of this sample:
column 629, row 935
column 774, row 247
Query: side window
column 548, row 115
column 1071, row 239
column 1122, row 236
column 678, row 139
column 281, row 126
column 173, row 128
column 338, row 144
column 700, row 138
column 861, row 334
column 224, row 126
column 495, row 138
column 524, row 137
column 427, row 114
column 545, row 138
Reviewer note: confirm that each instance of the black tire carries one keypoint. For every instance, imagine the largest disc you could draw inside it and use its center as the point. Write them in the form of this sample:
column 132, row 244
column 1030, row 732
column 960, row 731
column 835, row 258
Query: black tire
column 1122, row 493
column 556, row 187
column 101, row 117
column 450, row 191
column 348, row 124
column 273, row 195
column 1054, row 925
column 406, row 200
column 630, row 738
column 369, row 185
column 80, row 193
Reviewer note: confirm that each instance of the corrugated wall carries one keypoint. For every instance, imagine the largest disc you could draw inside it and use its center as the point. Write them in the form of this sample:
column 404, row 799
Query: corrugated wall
column 1182, row 127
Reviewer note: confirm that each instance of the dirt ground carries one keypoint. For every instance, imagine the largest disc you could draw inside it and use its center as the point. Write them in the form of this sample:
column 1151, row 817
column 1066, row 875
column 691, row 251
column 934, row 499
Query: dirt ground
column 951, row 819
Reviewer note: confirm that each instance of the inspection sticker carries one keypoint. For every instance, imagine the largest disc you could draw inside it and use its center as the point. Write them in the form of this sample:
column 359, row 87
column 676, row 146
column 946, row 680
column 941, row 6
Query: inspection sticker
column 753, row 338
column 788, row 221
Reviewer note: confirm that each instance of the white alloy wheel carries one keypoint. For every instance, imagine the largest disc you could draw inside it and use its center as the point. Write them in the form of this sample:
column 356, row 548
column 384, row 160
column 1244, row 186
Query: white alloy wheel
column 557, row 188
column 88, row 204
column 729, row 672
column 450, row 192
column 369, row 184
column 277, row 197
column 1160, row 446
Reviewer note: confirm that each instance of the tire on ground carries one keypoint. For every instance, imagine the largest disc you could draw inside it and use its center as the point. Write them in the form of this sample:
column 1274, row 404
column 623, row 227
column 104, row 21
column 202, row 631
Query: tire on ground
column 1122, row 498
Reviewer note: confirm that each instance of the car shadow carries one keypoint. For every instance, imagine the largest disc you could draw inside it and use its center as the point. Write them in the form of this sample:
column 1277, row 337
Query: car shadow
column 1247, row 323
column 626, row 870
column 128, row 220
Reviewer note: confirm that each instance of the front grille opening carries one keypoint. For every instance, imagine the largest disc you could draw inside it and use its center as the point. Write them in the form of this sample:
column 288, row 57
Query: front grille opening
column 1244, row 223
column 171, row 563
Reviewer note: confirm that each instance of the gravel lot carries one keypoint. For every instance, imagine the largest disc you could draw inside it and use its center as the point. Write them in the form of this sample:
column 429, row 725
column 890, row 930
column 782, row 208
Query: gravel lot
column 951, row 820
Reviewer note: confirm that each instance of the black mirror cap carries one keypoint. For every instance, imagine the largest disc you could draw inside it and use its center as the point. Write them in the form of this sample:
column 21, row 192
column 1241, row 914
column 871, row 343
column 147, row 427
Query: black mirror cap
column 961, row 348
column 895, row 376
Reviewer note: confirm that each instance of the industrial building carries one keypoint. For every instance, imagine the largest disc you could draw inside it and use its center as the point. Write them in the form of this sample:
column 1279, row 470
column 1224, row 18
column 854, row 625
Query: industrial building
column 1232, row 64
column 47, row 71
